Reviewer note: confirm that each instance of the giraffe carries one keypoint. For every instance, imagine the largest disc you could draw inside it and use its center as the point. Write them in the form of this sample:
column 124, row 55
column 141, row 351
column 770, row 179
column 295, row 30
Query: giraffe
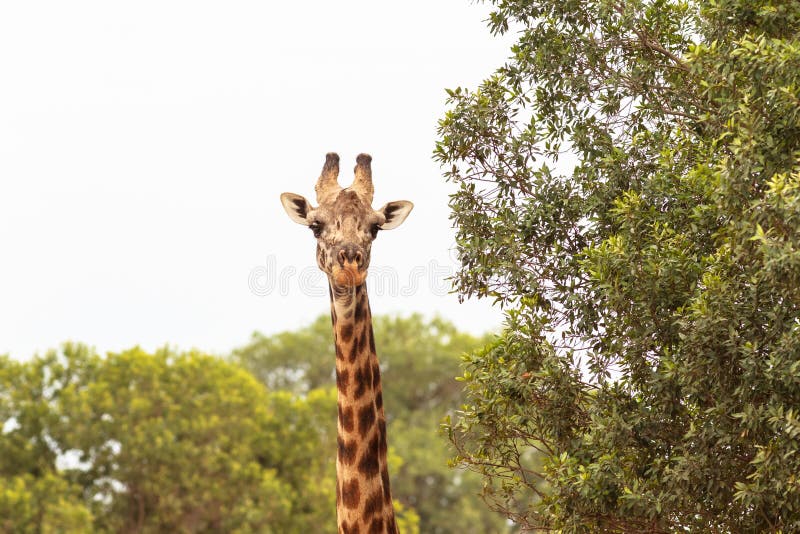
column 345, row 225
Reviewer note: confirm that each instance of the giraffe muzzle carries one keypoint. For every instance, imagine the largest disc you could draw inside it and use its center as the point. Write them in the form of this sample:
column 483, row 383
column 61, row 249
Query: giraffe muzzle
column 349, row 274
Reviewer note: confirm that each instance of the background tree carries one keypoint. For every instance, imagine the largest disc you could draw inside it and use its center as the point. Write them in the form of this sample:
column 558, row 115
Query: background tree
column 647, row 380
column 296, row 361
column 139, row 442
column 46, row 504
column 34, row 496
column 420, row 359
column 170, row 442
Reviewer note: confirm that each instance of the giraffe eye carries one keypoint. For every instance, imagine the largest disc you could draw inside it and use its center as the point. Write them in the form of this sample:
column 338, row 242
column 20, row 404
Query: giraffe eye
column 374, row 230
column 316, row 228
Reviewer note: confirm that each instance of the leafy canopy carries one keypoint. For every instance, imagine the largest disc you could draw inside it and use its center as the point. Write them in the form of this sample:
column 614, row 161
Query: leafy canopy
column 138, row 442
column 629, row 190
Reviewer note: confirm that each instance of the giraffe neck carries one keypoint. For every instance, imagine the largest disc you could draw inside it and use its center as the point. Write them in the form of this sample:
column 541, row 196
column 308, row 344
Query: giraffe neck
column 363, row 496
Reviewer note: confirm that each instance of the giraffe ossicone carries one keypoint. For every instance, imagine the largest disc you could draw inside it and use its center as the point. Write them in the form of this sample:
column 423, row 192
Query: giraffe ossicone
column 345, row 225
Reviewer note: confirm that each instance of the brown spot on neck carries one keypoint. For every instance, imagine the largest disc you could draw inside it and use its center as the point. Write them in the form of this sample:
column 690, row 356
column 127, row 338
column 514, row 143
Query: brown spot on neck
column 351, row 493
column 345, row 332
column 366, row 419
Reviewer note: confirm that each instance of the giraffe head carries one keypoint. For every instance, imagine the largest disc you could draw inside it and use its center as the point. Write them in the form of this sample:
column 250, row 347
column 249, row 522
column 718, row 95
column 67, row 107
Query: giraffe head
column 344, row 223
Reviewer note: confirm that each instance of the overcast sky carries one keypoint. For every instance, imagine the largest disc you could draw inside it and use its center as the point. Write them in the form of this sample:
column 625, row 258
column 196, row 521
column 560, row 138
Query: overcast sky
column 144, row 145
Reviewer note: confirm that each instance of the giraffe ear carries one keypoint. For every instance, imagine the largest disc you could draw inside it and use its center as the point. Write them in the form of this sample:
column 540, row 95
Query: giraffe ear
column 297, row 207
column 395, row 213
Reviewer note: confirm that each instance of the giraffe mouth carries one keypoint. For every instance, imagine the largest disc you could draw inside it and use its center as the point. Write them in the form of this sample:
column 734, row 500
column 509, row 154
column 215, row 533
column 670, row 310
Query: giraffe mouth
column 348, row 275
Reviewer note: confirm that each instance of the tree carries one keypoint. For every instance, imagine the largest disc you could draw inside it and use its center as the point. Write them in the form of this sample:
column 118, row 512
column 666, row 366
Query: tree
column 34, row 497
column 164, row 442
column 41, row 505
column 629, row 190
column 301, row 447
column 420, row 359
column 273, row 359
column 170, row 442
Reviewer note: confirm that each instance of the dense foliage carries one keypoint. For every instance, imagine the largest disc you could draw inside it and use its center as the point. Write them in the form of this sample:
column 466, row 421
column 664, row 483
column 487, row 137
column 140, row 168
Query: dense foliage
column 629, row 189
column 186, row 442
column 139, row 442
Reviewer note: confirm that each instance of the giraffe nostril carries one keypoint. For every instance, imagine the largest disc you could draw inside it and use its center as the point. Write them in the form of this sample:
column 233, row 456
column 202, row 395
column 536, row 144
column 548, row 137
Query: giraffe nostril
column 359, row 259
column 342, row 257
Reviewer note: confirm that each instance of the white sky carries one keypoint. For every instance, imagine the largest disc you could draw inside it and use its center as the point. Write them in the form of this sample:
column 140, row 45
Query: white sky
column 144, row 145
